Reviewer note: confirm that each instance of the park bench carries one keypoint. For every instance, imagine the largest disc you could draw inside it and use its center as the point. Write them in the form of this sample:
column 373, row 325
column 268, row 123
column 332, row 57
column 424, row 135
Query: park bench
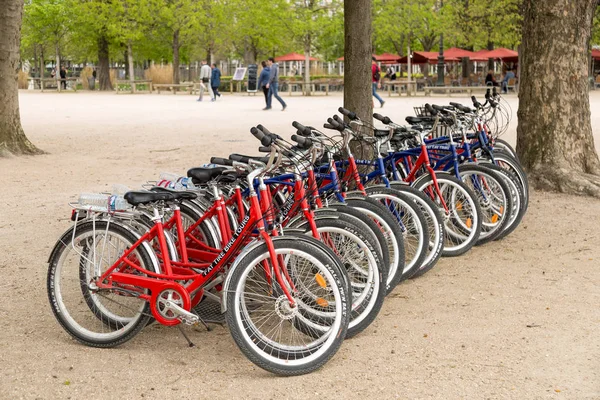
column 53, row 83
column 396, row 86
column 455, row 89
column 125, row 86
column 188, row 87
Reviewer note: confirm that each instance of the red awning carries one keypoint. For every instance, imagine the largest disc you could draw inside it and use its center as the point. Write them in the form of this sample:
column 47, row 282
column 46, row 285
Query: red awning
column 387, row 58
column 427, row 57
column 501, row 53
column 455, row 52
column 596, row 55
column 293, row 57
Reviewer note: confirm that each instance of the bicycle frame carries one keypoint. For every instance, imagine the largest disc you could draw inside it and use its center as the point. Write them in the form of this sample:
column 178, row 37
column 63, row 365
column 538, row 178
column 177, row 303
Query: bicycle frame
column 185, row 270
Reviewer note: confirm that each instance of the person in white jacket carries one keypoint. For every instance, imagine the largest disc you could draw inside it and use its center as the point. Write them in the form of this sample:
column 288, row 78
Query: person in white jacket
column 205, row 74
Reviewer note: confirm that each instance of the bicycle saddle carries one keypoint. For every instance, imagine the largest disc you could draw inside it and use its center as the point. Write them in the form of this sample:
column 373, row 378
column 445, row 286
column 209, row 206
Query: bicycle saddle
column 137, row 198
column 419, row 120
column 202, row 175
column 177, row 195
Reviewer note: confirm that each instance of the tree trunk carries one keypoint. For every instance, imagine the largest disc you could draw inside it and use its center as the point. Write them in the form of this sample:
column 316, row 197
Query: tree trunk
column 307, row 65
column 103, row 64
column 12, row 137
column 554, row 135
column 176, row 46
column 357, row 58
column 357, row 67
column 130, row 65
column 57, row 75
column 490, row 46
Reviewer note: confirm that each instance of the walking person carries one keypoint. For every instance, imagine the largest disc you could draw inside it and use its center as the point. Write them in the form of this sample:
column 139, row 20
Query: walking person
column 205, row 75
column 63, row 78
column 273, row 84
column 215, row 82
column 376, row 75
column 263, row 80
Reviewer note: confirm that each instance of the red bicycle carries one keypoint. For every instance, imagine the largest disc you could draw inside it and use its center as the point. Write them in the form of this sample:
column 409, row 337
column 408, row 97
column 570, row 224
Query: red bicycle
column 286, row 301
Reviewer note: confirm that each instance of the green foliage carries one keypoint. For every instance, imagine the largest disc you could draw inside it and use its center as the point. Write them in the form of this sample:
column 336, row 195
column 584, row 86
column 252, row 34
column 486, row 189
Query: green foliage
column 398, row 23
column 253, row 30
column 475, row 24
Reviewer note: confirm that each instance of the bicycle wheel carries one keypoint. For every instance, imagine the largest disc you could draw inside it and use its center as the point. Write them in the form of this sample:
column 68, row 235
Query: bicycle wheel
column 262, row 322
column 507, row 162
column 393, row 237
column 412, row 222
column 503, row 145
column 516, row 191
column 462, row 218
column 435, row 226
column 362, row 263
column 493, row 194
column 105, row 317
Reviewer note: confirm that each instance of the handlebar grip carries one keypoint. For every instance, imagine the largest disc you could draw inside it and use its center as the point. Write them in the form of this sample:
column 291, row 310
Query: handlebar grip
column 239, row 158
column 487, row 94
column 266, row 140
column 257, row 133
column 221, row 161
column 351, row 115
column 336, row 124
column 302, row 141
column 430, row 109
column 265, row 130
column 476, row 104
column 495, row 91
column 384, row 120
column 264, row 149
column 298, row 126
column 338, row 120
column 328, row 126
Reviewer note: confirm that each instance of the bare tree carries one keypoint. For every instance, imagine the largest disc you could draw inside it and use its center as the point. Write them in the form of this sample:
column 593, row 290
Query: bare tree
column 555, row 142
column 12, row 137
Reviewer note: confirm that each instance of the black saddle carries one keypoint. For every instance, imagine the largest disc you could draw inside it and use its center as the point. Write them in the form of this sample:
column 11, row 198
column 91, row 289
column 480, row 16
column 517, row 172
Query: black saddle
column 137, row 198
column 381, row 133
column 177, row 195
column 419, row 120
column 204, row 175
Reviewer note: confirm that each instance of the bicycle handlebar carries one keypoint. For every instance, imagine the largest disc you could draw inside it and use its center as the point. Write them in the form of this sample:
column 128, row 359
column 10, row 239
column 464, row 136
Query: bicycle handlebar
column 221, row 161
column 302, row 141
column 384, row 120
column 351, row 115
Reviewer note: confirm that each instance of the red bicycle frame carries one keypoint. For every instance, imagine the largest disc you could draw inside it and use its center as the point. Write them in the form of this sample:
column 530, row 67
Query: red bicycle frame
column 185, row 270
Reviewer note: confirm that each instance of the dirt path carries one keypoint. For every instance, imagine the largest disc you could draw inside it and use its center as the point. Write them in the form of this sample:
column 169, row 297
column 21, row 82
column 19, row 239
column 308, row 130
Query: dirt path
column 517, row 319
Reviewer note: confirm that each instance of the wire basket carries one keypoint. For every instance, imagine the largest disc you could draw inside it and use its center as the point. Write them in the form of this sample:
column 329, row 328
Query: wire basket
column 440, row 130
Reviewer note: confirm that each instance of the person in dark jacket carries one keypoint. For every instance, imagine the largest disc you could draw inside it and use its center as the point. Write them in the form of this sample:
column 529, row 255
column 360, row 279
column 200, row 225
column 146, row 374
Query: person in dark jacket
column 490, row 80
column 63, row 78
column 263, row 79
column 273, row 84
column 215, row 81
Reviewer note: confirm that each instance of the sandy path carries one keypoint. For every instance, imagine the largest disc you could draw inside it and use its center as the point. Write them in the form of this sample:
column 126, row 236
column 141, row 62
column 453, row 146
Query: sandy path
column 461, row 331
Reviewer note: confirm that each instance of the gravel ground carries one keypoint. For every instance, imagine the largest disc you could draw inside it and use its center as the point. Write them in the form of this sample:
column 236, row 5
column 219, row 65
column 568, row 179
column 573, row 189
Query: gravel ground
column 516, row 319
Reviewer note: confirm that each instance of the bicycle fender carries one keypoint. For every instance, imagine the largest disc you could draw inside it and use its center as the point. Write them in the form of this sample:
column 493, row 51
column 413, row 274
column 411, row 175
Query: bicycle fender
column 67, row 237
column 422, row 178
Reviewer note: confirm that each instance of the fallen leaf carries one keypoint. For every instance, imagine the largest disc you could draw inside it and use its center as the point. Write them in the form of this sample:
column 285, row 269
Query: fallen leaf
column 425, row 335
column 67, row 383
